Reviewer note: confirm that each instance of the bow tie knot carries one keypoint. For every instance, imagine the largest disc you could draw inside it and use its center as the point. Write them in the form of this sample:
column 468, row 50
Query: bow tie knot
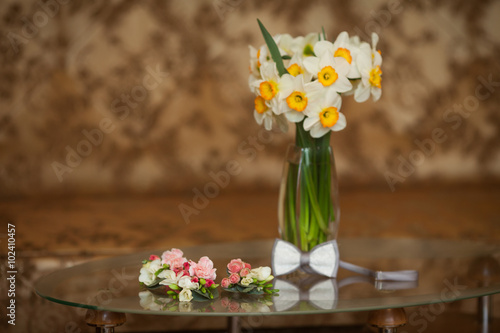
column 324, row 259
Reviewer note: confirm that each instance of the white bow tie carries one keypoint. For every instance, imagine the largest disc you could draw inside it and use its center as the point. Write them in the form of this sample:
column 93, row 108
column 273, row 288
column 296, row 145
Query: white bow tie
column 324, row 259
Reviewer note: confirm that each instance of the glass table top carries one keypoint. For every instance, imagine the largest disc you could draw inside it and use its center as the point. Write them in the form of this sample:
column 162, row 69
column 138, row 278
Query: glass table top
column 448, row 271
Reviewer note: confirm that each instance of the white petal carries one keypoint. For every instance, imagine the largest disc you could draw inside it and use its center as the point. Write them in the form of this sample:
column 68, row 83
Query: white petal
column 259, row 118
column 341, row 66
column 364, row 62
column 342, row 39
column 332, row 98
column 340, row 124
column 318, row 131
column 268, row 122
column 285, row 86
column 374, row 40
column 314, row 91
column 377, row 59
column 327, row 59
column 309, row 122
column 341, row 85
column 353, row 71
column 376, row 93
column 298, row 83
column 322, row 47
column 282, row 123
column 294, row 116
column 268, row 71
column 311, row 64
column 362, row 93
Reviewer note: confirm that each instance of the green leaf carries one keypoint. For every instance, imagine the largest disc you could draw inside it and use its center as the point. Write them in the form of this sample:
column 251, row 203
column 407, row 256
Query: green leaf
column 286, row 57
column 273, row 49
column 324, row 34
column 199, row 296
column 248, row 289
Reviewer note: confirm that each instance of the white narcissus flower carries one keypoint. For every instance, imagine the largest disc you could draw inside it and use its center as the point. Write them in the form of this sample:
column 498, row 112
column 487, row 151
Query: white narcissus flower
column 148, row 270
column 369, row 61
column 257, row 58
column 344, row 47
column 186, row 283
column 263, row 114
column 331, row 71
column 325, row 116
column 261, row 273
column 185, row 295
column 268, row 86
column 300, row 46
column 296, row 67
column 293, row 93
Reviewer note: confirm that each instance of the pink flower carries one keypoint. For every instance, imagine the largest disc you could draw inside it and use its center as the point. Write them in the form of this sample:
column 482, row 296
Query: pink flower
column 244, row 272
column 234, row 306
column 248, row 266
column 153, row 257
column 209, row 283
column 174, row 258
column 234, row 278
column 225, row 283
column 224, row 301
column 195, row 280
column 235, row 265
column 204, row 269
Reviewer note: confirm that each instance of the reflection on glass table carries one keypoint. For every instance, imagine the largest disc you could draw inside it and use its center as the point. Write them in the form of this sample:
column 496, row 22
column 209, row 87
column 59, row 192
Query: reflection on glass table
column 448, row 271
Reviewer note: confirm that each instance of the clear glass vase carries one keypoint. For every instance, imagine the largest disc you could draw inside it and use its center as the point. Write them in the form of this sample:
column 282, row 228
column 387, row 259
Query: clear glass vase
column 308, row 209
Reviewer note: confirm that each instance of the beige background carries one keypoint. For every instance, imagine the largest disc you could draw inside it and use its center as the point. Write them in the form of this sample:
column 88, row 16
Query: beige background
column 67, row 67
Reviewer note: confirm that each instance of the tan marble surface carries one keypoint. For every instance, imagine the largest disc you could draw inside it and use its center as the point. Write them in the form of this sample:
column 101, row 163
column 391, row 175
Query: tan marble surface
column 86, row 66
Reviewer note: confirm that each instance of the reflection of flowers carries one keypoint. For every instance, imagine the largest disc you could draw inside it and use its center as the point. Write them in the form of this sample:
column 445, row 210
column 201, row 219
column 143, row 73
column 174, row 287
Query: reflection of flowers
column 246, row 304
column 175, row 276
column 242, row 278
column 150, row 301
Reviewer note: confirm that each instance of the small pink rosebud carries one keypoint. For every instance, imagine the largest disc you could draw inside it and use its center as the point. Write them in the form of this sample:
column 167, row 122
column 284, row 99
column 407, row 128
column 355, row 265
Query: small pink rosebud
column 209, row 283
column 153, row 257
column 235, row 265
column 195, row 280
column 247, row 265
column 234, row 278
column 225, row 283
column 244, row 272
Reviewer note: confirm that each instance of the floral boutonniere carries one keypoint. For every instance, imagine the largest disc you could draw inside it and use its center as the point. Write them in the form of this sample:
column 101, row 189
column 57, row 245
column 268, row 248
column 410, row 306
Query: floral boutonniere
column 175, row 276
column 242, row 278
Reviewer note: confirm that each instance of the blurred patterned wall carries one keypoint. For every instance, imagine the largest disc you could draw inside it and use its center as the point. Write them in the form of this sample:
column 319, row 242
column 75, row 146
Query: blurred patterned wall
column 152, row 96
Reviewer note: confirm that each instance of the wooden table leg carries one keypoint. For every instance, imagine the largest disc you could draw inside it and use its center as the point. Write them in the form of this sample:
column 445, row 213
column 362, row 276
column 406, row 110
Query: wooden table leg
column 233, row 324
column 387, row 320
column 104, row 321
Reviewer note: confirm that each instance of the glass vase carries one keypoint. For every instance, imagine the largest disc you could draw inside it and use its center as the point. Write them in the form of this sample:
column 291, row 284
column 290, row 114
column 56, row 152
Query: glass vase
column 308, row 209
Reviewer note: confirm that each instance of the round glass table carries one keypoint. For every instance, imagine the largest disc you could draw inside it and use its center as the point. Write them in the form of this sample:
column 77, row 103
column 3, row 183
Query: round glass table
column 448, row 271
